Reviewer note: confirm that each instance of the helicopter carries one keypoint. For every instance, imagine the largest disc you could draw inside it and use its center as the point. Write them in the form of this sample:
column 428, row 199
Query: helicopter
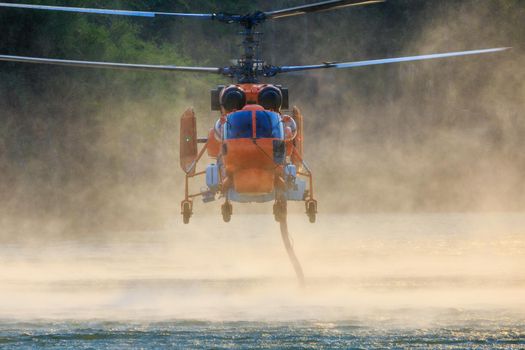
column 256, row 148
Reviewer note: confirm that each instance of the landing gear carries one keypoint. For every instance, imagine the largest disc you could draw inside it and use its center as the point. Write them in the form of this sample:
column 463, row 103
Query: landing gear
column 311, row 209
column 186, row 211
column 227, row 211
column 279, row 210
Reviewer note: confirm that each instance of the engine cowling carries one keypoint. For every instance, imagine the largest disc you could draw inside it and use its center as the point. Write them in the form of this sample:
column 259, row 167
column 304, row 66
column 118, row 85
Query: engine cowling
column 270, row 97
column 232, row 99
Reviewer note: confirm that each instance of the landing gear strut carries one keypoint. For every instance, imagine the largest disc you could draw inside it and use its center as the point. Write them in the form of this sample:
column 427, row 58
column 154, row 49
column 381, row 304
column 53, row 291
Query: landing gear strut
column 226, row 210
column 186, row 211
column 311, row 209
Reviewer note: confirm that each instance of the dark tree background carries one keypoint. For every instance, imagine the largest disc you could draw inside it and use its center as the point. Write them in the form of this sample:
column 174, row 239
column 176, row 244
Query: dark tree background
column 95, row 149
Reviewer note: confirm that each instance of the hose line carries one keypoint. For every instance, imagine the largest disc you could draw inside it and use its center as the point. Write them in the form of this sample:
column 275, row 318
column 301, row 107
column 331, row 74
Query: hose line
column 289, row 249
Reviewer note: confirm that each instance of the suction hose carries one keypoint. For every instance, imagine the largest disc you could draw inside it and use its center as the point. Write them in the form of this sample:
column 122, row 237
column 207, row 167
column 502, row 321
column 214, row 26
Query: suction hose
column 289, row 249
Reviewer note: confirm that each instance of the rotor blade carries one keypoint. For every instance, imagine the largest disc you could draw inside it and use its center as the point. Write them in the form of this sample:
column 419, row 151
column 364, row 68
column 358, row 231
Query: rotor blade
column 91, row 64
column 285, row 69
column 318, row 7
column 107, row 11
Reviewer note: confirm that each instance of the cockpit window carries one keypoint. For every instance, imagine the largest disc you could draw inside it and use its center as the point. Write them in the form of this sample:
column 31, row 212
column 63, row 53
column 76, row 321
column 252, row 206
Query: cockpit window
column 239, row 125
column 267, row 125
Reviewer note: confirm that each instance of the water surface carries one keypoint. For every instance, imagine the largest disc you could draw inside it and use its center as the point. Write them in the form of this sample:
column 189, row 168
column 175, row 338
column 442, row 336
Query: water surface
column 450, row 281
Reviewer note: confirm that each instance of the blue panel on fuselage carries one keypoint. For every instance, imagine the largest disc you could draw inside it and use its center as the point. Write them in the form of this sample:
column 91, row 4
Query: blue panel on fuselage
column 268, row 124
column 239, row 125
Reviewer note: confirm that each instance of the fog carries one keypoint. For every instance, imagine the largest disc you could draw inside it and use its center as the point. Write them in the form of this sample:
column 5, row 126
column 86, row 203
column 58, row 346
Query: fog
column 437, row 136
column 418, row 169
column 424, row 136
column 408, row 270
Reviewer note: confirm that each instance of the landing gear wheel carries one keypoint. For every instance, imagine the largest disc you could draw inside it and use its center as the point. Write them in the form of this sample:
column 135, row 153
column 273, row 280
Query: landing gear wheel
column 186, row 211
column 226, row 210
column 279, row 210
column 311, row 210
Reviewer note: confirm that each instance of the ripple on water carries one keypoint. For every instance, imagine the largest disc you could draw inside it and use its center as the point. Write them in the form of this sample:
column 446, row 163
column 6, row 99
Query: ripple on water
column 257, row 335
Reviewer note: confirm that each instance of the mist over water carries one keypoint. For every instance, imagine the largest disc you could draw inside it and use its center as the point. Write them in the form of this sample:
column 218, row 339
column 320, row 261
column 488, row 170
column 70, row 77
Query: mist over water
column 410, row 269
column 372, row 280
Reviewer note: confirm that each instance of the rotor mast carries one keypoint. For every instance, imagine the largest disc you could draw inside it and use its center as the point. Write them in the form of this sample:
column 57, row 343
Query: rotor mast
column 250, row 65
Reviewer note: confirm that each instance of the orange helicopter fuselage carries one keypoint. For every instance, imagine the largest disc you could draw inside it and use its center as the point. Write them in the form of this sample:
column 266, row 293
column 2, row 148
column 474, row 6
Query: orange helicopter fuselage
column 246, row 150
